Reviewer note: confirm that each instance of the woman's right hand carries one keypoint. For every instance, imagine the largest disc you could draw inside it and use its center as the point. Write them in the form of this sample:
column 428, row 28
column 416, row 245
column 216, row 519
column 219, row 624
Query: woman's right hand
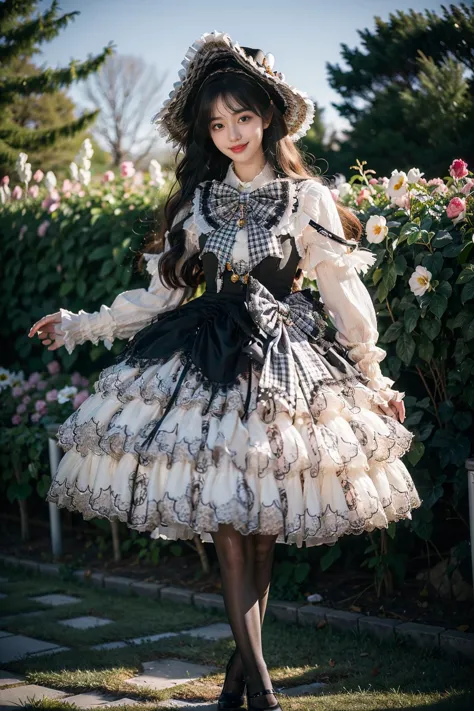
column 48, row 331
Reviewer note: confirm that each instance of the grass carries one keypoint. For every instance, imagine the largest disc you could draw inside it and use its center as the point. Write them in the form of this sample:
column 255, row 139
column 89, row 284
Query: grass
column 360, row 673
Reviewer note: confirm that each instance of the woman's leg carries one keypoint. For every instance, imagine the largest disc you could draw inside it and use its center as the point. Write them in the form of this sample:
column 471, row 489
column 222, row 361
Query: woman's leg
column 238, row 556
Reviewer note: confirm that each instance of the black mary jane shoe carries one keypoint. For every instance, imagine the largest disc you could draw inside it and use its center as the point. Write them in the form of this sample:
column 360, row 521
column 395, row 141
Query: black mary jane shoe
column 231, row 700
column 265, row 692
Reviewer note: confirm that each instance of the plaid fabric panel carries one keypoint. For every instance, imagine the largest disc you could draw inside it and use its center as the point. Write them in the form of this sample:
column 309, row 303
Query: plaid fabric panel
column 290, row 327
column 220, row 204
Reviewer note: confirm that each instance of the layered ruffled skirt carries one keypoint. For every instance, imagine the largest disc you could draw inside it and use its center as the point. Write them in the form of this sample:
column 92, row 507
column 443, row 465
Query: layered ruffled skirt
column 165, row 447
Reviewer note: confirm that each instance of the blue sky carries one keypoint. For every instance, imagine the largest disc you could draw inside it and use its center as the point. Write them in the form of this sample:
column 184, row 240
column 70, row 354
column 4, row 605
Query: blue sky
column 302, row 34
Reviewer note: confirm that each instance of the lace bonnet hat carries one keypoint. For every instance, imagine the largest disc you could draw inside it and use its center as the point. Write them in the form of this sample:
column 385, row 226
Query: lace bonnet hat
column 216, row 51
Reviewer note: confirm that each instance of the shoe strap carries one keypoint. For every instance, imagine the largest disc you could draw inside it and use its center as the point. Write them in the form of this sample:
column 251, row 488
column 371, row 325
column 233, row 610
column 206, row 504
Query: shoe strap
column 261, row 693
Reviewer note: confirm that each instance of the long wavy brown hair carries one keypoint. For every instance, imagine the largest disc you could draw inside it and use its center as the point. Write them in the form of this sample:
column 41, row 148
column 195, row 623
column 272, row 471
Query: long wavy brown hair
column 201, row 160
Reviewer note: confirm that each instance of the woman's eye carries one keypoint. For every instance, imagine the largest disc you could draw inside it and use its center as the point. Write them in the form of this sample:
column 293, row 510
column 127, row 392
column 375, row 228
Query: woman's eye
column 246, row 117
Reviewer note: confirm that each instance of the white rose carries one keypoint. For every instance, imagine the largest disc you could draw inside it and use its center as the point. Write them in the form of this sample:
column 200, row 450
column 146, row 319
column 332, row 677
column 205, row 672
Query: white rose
column 376, row 229
column 398, row 184
column 74, row 170
column 414, row 175
column 419, row 282
column 84, row 176
column 86, row 149
column 156, row 174
column 50, row 180
column 66, row 394
column 344, row 189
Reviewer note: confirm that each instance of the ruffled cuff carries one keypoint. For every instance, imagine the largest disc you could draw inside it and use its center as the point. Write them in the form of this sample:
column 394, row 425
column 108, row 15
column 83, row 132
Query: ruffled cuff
column 76, row 329
column 367, row 357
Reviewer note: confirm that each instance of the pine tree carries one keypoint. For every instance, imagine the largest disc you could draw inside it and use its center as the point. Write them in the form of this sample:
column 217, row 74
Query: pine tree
column 21, row 33
column 408, row 92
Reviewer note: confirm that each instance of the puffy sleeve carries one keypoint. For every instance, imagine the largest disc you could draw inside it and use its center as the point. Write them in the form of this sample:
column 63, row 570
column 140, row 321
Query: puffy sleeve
column 336, row 266
column 131, row 310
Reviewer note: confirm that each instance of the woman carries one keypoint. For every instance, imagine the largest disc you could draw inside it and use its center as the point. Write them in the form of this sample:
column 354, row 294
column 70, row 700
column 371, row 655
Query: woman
column 240, row 415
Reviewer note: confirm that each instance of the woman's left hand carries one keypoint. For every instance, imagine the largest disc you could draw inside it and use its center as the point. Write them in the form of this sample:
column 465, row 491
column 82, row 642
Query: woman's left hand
column 398, row 408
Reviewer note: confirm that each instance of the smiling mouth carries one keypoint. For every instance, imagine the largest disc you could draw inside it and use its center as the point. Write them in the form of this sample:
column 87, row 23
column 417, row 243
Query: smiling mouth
column 239, row 148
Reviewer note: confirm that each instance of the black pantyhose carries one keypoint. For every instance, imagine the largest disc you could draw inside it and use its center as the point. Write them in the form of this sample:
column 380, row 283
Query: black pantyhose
column 245, row 564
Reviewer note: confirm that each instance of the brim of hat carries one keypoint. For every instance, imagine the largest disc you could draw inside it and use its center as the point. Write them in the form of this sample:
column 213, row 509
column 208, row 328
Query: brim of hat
column 210, row 51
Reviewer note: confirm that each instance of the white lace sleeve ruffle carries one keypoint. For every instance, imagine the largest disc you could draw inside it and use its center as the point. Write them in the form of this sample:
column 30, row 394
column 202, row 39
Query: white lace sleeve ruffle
column 130, row 311
column 346, row 299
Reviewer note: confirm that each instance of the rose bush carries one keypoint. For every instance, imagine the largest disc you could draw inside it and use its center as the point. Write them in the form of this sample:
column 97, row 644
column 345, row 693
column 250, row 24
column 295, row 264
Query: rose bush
column 423, row 282
column 27, row 405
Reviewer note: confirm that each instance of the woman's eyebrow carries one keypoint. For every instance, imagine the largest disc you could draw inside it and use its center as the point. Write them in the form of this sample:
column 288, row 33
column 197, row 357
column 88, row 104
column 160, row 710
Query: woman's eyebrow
column 239, row 111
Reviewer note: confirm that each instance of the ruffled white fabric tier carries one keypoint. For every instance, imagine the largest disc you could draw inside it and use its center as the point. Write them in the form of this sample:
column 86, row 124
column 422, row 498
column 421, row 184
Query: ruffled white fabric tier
column 333, row 469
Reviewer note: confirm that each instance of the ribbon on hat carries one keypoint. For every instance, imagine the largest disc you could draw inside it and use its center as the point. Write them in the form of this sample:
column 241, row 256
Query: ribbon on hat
column 226, row 210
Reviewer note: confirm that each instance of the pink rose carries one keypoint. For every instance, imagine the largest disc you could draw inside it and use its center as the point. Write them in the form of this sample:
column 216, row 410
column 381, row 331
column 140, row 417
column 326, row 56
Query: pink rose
column 36, row 417
column 21, row 234
column 21, row 409
column 17, row 391
column 38, row 176
column 52, row 395
column 41, row 385
column 67, row 186
column 441, row 188
column 33, row 191
column 16, row 420
column 51, row 203
column 40, row 405
column 84, row 382
column 53, row 367
column 76, row 378
column 79, row 398
column 26, row 400
column 127, row 169
column 422, row 181
column 28, row 386
column 363, row 195
column 43, row 228
column 6, row 180
column 109, row 175
column 466, row 189
column 402, row 201
column 458, row 169
column 17, row 192
column 456, row 207
column 34, row 377
column 373, row 181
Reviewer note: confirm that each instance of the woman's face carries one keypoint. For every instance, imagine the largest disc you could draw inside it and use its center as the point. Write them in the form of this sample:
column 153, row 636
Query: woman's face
column 230, row 130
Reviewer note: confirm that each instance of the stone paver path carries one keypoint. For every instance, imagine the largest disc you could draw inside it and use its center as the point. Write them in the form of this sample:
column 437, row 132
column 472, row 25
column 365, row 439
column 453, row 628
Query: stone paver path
column 165, row 673
column 17, row 646
column 21, row 695
column 89, row 701
column 5, row 634
column 55, row 600
column 6, row 678
column 188, row 705
column 86, row 623
column 220, row 630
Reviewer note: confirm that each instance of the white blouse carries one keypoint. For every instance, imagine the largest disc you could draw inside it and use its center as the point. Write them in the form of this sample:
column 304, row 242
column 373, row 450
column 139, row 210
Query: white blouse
column 335, row 268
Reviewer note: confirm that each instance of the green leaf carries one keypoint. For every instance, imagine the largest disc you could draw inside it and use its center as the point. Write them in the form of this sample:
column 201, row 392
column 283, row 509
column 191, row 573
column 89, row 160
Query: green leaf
column 430, row 327
column 392, row 332
column 446, row 410
column 415, row 452
column 331, row 555
column 466, row 275
column 452, row 250
column 438, row 304
column 441, row 239
column 462, row 420
column 400, row 264
column 376, row 276
column 467, row 292
column 410, row 318
column 99, row 253
column 405, row 348
column 425, row 349
column 302, row 571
